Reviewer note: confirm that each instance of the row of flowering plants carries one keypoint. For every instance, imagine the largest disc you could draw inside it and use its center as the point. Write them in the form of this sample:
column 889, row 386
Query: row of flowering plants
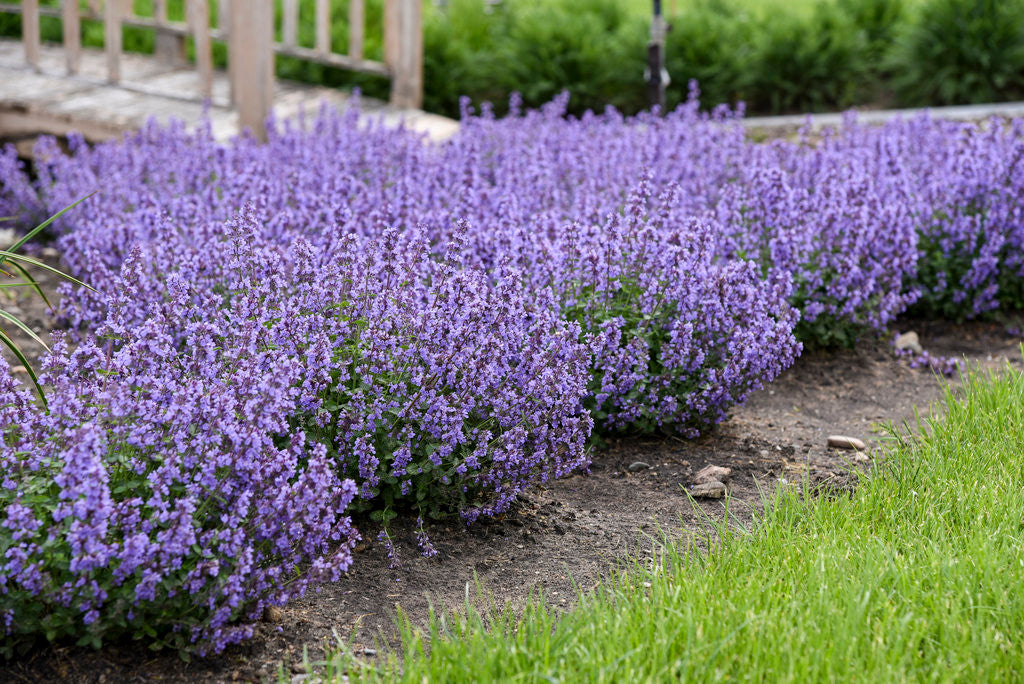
column 350, row 321
column 206, row 442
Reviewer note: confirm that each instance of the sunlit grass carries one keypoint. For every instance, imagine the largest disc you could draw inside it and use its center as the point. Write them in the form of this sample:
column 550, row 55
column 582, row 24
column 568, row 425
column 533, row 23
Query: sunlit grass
column 916, row 576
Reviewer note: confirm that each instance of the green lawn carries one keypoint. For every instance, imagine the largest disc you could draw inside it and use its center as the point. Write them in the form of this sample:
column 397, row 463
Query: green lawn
column 917, row 577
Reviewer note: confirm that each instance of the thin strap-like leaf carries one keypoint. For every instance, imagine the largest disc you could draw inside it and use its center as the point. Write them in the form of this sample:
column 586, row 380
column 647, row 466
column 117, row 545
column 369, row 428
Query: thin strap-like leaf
column 24, row 328
column 39, row 264
column 35, row 231
column 31, row 282
column 28, row 366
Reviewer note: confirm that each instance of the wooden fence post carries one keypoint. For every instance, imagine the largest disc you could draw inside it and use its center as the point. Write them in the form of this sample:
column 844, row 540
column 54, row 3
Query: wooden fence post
column 112, row 38
column 356, row 29
column 391, row 33
column 199, row 21
column 72, row 25
column 30, row 32
column 290, row 23
column 407, row 69
column 251, row 57
column 169, row 47
column 322, row 24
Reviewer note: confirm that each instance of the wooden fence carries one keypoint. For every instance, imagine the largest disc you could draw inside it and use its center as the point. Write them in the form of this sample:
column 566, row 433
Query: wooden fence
column 248, row 28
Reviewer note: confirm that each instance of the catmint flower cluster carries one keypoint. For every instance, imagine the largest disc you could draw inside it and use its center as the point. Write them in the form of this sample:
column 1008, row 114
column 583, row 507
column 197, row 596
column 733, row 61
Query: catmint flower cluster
column 18, row 199
column 208, row 438
column 350, row 319
column 163, row 493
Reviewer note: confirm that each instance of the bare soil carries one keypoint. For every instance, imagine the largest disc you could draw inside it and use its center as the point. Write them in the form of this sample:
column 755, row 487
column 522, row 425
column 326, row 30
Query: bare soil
column 573, row 531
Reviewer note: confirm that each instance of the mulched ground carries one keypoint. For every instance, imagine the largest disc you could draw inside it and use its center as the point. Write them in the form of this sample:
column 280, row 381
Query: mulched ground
column 574, row 530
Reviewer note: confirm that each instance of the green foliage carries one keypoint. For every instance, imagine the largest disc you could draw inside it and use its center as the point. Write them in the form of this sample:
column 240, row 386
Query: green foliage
column 905, row 579
column 123, row 613
column 778, row 57
column 712, row 42
column 808, row 64
column 435, row 491
column 592, row 309
column 829, row 332
column 13, row 265
column 538, row 49
column 961, row 51
column 877, row 19
column 948, row 270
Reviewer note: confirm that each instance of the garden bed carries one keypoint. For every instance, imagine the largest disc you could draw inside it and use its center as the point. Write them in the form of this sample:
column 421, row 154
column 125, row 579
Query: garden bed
column 349, row 326
column 572, row 531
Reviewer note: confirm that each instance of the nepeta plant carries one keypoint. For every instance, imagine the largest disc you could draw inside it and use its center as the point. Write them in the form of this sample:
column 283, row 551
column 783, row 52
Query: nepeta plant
column 16, row 266
column 406, row 328
column 163, row 494
column 447, row 393
column 677, row 334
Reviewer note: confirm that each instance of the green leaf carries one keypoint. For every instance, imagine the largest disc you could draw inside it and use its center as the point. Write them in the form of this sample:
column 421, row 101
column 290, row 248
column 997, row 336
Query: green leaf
column 4, row 338
column 42, row 226
column 7, row 254
column 31, row 282
column 24, row 328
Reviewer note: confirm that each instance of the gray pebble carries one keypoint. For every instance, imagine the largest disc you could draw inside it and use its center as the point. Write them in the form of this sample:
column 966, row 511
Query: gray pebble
column 910, row 342
column 712, row 473
column 844, row 442
column 709, row 490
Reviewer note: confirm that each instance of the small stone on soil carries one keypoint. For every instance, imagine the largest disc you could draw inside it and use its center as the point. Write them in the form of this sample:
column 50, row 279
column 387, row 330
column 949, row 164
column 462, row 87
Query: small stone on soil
column 637, row 466
column 712, row 473
column 709, row 490
column 860, row 457
column 272, row 614
column 909, row 341
column 843, row 442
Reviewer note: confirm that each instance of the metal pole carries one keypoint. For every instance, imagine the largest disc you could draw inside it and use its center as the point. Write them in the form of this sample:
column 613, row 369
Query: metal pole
column 656, row 80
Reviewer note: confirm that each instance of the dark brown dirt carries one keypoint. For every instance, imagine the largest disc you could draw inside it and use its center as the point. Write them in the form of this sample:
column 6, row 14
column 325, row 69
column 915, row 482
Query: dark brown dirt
column 576, row 529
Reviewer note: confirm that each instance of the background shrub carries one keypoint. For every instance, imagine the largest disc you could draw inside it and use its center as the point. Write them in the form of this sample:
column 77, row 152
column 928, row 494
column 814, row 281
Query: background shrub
column 961, row 51
column 714, row 43
column 778, row 57
column 808, row 63
column 537, row 48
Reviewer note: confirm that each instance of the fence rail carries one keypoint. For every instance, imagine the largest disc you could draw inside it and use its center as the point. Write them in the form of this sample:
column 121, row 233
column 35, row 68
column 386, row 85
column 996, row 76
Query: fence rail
column 248, row 28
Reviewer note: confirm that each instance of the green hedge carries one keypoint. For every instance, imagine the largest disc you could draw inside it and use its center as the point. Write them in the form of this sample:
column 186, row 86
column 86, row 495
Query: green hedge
column 778, row 57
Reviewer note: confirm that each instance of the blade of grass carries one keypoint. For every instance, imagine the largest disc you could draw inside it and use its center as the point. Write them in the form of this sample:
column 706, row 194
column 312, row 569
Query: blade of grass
column 31, row 282
column 24, row 328
column 35, row 231
column 28, row 366
column 39, row 264
column 4, row 286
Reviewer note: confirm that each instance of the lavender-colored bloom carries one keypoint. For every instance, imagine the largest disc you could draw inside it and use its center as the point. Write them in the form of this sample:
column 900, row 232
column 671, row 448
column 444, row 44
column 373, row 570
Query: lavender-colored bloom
column 347, row 315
